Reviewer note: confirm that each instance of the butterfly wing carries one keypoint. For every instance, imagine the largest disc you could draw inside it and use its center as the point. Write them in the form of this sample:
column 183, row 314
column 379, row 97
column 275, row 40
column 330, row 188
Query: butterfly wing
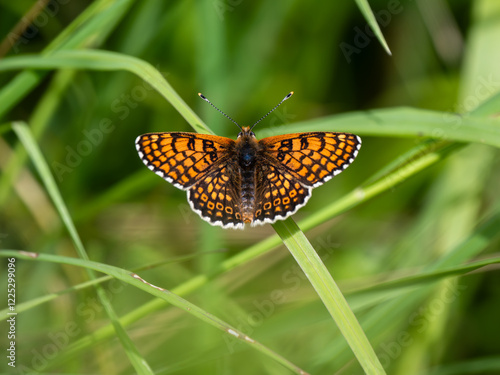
column 312, row 158
column 217, row 197
column 182, row 158
column 279, row 194
column 293, row 164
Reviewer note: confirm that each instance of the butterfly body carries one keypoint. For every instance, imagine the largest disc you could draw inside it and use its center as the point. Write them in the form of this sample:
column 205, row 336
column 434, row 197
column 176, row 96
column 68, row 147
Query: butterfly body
column 247, row 181
column 247, row 154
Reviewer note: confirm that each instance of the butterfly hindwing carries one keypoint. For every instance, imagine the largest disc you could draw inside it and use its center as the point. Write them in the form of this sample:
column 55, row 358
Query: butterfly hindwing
column 216, row 196
column 314, row 157
column 278, row 194
column 182, row 158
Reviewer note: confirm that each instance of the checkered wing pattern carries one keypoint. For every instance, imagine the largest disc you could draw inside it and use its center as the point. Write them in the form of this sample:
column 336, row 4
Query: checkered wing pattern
column 217, row 196
column 226, row 189
column 278, row 194
column 313, row 158
column 182, row 158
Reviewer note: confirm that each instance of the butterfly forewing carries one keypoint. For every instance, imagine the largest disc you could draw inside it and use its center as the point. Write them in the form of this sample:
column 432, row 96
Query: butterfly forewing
column 182, row 158
column 315, row 157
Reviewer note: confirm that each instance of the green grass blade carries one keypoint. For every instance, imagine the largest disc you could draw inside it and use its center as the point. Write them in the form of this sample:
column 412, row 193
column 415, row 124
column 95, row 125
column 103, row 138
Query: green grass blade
column 447, row 266
column 93, row 26
column 425, row 147
column 25, row 136
column 330, row 294
column 90, row 28
column 406, row 122
column 383, row 314
column 372, row 21
column 483, row 365
column 489, row 107
column 164, row 294
column 108, row 61
column 427, row 277
column 39, row 120
column 35, row 302
column 49, row 103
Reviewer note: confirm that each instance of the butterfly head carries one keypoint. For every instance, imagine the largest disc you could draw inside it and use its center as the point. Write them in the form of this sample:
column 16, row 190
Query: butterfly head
column 246, row 131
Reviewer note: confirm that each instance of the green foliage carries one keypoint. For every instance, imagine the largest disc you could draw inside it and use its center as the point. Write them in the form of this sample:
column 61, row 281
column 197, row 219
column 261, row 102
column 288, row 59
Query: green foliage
column 408, row 232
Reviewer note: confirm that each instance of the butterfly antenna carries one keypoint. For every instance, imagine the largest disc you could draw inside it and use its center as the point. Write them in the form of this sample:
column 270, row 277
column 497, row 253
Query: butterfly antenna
column 268, row 113
column 209, row 102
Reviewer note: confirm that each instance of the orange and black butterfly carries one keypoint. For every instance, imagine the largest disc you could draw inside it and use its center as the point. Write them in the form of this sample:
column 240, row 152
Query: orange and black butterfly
column 231, row 183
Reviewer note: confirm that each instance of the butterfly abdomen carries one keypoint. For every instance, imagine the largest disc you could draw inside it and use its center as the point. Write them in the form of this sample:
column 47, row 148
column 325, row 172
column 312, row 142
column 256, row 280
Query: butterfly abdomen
column 247, row 194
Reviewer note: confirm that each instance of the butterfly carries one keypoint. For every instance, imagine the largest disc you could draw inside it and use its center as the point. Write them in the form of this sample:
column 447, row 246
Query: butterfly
column 231, row 183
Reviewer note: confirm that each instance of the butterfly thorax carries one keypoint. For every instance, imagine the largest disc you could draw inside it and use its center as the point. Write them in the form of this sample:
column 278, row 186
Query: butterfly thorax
column 247, row 149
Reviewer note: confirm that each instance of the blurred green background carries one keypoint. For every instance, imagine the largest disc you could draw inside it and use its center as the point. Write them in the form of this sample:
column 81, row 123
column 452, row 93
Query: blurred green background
column 245, row 57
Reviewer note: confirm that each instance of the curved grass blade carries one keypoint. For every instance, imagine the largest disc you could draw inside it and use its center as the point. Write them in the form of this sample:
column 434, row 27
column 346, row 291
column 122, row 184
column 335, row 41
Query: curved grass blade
column 39, row 119
column 92, row 26
column 365, row 8
column 35, row 302
column 481, row 365
column 25, row 136
column 164, row 294
column 426, row 277
column 406, row 122
column 330, row 294
column 108, row 61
